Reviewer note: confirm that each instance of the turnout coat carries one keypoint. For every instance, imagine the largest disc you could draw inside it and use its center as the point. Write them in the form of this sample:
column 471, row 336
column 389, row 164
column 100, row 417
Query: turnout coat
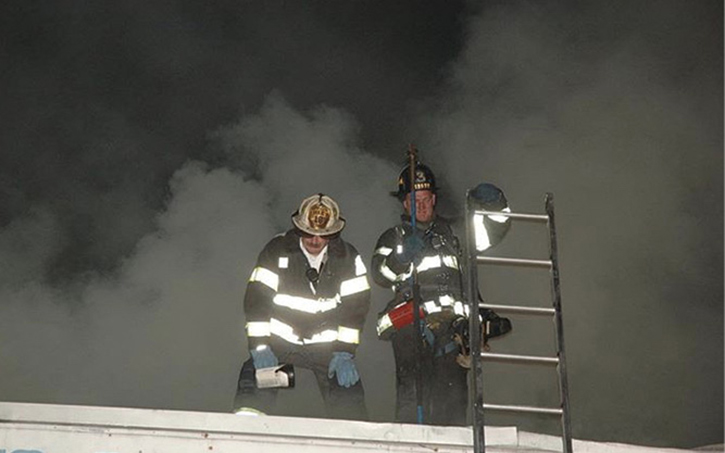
column 289, row 304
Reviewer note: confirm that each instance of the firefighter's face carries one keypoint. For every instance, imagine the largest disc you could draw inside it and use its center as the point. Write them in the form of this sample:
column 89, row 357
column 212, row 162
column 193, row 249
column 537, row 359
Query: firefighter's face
column 314, row 244
column 425, row 202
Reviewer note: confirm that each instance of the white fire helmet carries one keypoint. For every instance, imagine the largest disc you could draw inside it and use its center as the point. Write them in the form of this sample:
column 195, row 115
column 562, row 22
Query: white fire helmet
column 318, row 215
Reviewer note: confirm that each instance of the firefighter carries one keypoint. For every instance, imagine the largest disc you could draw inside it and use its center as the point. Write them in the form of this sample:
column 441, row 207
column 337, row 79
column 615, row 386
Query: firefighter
column 305, row 305
column 434, row 253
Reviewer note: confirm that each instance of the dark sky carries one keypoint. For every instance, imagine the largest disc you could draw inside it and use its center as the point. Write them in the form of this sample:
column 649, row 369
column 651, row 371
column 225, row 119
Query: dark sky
column 150, row 149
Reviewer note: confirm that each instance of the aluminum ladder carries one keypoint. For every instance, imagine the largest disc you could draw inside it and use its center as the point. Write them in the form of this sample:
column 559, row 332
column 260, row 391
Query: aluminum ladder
column 474, row 259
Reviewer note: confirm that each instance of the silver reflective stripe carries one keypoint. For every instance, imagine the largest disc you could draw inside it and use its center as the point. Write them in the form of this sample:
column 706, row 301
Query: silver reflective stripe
column 283, row 262
column 446, row 300
column 431, row 307
column 388, row 273
column 384, row 323
column 500, row 218
column 265, row 276
column 459, row 307
column 450, row 261
column 306, row 305
column 359, row 266
column 258, row 329
column 327, row 336
column 348, row 335
column 354, row 285
column 481, row 234
column 385, row 251
column 429, row 262
column 286, row 332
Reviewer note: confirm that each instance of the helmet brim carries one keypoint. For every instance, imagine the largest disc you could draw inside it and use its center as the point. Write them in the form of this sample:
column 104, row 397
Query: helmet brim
column 334, row 228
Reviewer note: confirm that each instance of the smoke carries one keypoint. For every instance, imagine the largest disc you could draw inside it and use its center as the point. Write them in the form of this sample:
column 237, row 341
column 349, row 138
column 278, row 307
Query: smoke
column 166, row 328
column 623, row 125
column 150, row 152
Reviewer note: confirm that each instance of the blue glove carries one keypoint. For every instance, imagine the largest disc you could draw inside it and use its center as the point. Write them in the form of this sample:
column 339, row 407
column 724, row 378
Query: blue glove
column 342, row 365
column 264, row 358
column 412, row 246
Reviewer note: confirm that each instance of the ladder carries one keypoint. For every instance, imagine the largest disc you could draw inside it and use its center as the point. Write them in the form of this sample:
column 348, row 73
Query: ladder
column 474, row 259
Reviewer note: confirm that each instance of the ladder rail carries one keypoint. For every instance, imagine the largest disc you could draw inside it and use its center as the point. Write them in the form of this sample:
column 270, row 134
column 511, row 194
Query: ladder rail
column 475, row 375
column 559, row 325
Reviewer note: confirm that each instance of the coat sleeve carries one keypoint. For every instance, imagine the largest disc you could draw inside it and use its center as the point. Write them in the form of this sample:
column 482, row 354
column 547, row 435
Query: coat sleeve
column 261, row 289
column 355, row 303
column 386, row 269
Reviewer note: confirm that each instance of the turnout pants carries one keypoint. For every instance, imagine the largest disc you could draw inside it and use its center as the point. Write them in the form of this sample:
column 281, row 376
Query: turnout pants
column 340, row 402
column 445, row 387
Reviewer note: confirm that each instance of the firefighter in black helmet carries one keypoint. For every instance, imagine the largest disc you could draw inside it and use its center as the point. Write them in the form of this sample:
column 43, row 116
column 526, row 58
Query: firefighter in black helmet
column 433, row 251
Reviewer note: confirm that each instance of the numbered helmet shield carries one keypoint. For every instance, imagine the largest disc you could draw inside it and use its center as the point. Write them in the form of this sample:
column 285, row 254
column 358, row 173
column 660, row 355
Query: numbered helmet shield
column 318, row 215
column 424, row 179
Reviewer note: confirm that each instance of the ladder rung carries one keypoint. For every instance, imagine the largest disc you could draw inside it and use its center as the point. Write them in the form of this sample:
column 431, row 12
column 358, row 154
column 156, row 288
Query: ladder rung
column 514, row 215
column 520, row 309
column 513, row 261
column 530, row 409
column 516, row 358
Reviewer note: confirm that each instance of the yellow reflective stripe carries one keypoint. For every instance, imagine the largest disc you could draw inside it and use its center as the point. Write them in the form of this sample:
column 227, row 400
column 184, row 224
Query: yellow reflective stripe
column 384, row 323
column 258, row 329
column 306, row 305
column 348, row 335
column 360, row 266
column 354, row 285
column 385, row 251
column 265, row 276
column 429, row 262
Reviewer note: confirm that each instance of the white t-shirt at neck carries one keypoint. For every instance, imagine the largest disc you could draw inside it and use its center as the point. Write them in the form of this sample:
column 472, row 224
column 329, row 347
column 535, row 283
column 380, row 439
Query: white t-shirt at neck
column 315, row 260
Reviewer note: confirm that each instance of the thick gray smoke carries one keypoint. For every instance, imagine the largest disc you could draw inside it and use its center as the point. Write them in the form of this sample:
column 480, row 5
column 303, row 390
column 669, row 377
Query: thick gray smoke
column 166, row 329
column 628, row 137
column 147, row 161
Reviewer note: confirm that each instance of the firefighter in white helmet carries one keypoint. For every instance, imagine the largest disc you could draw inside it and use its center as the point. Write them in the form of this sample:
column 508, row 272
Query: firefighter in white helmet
column 433, row 252
column 305, row 305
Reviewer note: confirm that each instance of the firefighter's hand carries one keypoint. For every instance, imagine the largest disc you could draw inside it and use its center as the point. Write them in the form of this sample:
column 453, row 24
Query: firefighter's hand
column 412, row 247
column 343, row 366
column 263, row 357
